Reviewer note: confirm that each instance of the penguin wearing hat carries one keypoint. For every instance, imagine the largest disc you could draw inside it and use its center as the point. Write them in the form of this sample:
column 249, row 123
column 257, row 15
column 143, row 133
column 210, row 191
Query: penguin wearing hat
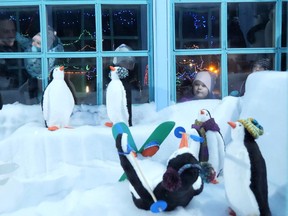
column 167, row 187
column 245, row 175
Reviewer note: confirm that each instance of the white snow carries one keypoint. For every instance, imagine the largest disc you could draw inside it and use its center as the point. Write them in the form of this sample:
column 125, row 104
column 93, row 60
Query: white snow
column 74, row 172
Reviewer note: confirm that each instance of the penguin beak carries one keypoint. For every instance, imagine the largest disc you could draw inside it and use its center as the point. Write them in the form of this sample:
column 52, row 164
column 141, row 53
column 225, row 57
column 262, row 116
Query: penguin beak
column 184, row 141
column 112, row 68
column 62, row 68
column 202, row 112
column 232, row 124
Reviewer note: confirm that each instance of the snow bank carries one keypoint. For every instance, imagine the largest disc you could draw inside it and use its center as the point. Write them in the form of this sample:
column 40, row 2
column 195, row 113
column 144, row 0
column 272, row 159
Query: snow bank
column 75, row 171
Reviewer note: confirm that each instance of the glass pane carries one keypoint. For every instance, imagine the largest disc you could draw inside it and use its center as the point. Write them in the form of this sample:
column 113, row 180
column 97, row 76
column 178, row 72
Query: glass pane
column 246, row 64
column 17, row 27
column 187, row 68
column 251, row 24
column 136, row 83
column 16, row 84
column 124, row 24
column 284, row 63
column 80, row 76
column 197, row 25
column 74, row 25
column 284, row 25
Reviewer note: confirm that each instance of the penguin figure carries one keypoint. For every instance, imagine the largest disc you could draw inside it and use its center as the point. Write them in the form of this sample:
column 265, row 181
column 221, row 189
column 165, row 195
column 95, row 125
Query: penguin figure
column 116, row 102
column 57, row 102
column 175, row 184
column 245, row 177
column 212, row 150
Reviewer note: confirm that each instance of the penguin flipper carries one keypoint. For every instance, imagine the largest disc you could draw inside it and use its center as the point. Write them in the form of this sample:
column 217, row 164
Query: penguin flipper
column 221, row 151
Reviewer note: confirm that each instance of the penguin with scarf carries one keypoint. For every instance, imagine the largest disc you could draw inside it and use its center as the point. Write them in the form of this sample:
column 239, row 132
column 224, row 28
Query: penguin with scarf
column 212, row 149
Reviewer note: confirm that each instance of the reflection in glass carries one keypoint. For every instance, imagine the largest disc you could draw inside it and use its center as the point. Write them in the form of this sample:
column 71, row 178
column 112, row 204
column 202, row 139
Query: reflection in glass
column 284, row 63
column 251, row 24
column 16, row 84
column 74, row 25
column 187, row 68
column 17, row 26
column 197, row 25
column 124, row 24
column 284, row 25
column 80, row 76
column 253, row 63
column 136, row 84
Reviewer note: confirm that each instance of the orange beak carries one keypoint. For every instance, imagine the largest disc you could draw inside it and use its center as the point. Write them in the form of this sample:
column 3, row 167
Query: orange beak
column 232, row 124
column 62, row 68
column 112, row 68
column 202, row 112
column 184, row 141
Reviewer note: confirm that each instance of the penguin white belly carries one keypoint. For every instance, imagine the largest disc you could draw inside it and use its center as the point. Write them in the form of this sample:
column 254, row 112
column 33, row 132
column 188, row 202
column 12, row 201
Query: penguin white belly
column 216, row 150
column 194, row 145
column 116, row 102
column 58, row 104
column 237, row 175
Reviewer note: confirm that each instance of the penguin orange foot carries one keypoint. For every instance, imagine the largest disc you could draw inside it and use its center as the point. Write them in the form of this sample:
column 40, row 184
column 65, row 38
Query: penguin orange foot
column 53, row 128
column 108, row 124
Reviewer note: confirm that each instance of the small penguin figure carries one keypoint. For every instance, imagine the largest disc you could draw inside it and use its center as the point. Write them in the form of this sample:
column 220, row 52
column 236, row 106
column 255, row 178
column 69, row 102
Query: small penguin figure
column 245, row 177
column 116, row 101
column 175, row 184
column 212, row 150
column 57, row 102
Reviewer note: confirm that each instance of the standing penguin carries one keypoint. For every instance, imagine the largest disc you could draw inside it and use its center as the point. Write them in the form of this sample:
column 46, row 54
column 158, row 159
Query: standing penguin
column 212, row 150
column 116, row 102
column 245, row 176
column 175, row 184
column 58, row 101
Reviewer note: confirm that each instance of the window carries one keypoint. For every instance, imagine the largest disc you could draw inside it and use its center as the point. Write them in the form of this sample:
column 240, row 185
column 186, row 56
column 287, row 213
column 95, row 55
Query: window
column 86, row 38
column 229, row 40
column 163, row 43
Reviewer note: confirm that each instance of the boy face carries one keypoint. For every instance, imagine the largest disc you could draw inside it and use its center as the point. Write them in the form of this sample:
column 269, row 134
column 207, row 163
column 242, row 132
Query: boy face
column 200, row 90
column 7, row 33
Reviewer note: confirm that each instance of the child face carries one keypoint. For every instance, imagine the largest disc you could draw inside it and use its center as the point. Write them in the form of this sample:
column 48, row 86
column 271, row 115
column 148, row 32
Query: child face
column 200, row 90
column 36, row 41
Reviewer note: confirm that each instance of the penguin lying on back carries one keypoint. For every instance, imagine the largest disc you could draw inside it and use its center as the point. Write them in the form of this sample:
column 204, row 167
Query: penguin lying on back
column 212, row 150
column 175, row 184
column 245, row 176
column 58, row 101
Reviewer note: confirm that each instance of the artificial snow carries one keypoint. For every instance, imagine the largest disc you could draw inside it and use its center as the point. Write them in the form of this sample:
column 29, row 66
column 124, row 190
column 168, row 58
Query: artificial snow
column 75, row 172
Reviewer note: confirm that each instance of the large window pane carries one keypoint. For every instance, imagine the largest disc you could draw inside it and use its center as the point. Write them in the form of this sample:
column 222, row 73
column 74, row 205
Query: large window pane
column 187, row 68
column 124, row 24
column 17, row 27
column 16, row 84
column 251, row 24
column 197, row 25
column 80, row 75
column 249, row 63
column 74, row 25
